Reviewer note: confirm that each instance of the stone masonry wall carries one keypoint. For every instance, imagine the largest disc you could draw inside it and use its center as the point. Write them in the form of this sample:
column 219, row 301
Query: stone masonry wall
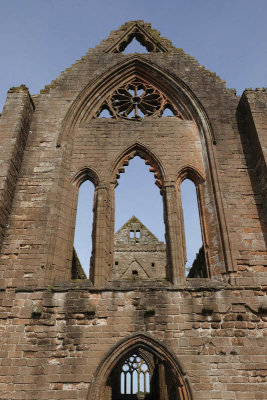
column 141, row 256
column 53, row 340
column 54, row 331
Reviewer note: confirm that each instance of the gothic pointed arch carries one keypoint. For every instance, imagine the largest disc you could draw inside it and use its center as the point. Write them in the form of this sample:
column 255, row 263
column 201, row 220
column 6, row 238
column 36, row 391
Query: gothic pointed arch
column 196, row 176
column 159, row 360
column 144, row 152
column 177, row 93
column 81, row 116
column 84, row 174
column 141, row 35
column 190, row 172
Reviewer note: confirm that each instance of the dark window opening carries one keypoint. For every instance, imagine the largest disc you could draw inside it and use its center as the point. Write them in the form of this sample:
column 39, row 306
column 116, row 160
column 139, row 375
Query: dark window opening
column 134, row 272
column 116, row 262
column 152, row 264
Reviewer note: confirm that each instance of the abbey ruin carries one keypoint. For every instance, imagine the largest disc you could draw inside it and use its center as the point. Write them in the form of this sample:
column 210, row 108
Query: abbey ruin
column 137, row 328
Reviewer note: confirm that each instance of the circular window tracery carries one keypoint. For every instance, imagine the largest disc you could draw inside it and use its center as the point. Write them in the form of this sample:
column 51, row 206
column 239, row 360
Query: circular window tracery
column 137, row 100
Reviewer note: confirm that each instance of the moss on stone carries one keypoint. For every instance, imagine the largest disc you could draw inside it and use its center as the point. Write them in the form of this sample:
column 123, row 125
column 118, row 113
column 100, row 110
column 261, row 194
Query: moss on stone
column 19, row 89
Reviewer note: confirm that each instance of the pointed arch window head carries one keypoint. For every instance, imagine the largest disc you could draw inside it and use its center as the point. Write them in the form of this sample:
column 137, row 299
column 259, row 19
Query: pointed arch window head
column 149, row 160
column 142, row 36
column 136, row 100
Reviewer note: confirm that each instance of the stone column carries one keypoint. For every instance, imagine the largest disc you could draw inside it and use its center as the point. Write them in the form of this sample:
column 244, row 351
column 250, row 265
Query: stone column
column 163, row 393
column 174, row 234
column 101, row 231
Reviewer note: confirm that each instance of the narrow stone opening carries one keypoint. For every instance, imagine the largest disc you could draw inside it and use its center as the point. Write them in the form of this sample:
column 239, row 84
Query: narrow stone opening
column 83, row 232
column 195, row 265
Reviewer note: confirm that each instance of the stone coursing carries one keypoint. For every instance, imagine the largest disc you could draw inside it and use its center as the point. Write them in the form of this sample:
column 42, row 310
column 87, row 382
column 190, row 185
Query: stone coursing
column 138, row 254
column 58, row 334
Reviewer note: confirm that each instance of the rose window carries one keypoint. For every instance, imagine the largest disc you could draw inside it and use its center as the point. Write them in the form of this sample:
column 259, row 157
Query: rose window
column 137, row 100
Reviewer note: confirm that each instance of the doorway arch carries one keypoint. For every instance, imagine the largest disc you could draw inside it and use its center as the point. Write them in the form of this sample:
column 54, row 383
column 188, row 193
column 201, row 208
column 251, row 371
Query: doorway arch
column 167, row 378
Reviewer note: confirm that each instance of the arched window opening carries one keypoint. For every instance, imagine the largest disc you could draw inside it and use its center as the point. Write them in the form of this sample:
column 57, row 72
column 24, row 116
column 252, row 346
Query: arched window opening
column 135, row 376
column 195, row 266
column 143, row 375
column 105, row 113
column 83, row 232
column 135, row 47
column 168, row 111
column 140, row 230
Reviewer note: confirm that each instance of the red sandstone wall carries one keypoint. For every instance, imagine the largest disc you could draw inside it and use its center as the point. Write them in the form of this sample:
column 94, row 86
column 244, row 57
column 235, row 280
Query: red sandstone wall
column 53, row 354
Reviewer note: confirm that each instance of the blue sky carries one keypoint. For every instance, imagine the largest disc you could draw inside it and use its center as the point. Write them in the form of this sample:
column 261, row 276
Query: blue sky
column 40, row 38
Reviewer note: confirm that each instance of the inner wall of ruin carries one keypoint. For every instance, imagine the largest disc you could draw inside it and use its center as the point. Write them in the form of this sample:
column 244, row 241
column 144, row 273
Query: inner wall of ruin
column 200, row 338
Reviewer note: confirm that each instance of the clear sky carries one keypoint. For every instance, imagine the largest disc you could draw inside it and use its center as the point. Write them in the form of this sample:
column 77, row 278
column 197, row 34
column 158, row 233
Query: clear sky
column 40, row 38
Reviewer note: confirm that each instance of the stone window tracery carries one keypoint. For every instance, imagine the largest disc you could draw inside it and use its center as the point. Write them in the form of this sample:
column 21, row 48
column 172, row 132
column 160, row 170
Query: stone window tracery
column 137, row 100
column 142, row 36
column 135, row 376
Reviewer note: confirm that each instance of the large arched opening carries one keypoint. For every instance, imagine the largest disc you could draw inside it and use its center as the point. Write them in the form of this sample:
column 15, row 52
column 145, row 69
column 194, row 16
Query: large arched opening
column 140, row 368
column 155, row 167
column 185, row 105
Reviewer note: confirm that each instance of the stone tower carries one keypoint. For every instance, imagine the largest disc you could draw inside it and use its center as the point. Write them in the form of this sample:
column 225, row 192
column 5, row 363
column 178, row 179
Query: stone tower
column 165, row 337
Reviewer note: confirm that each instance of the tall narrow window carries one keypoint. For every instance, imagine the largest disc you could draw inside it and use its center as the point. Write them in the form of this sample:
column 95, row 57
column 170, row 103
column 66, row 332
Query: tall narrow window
column 139, row 227
column 138, row 195
column 195, row 265
column 83, row 232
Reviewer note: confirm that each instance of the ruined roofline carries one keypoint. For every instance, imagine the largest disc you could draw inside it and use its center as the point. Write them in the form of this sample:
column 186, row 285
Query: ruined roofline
column 134, row 220
column 166, row 46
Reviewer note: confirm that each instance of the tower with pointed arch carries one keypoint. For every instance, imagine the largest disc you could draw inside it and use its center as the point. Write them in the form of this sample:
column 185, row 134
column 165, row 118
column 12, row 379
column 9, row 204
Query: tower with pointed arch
column 108, row 337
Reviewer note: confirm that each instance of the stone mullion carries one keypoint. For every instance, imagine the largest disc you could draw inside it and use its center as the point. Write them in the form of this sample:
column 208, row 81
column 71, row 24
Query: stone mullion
column 175, row 238
column 100, row 250
column 111, row 217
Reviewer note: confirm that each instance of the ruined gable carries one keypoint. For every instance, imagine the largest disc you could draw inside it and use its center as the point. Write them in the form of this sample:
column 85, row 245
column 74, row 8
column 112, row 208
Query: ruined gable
column 138, row 254
column 188, row 338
